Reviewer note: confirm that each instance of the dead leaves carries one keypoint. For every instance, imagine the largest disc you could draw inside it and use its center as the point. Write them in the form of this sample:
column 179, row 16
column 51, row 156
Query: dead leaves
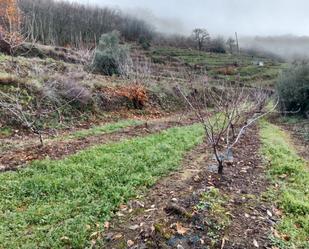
column 181, row 230
column 117, row 236
column 106, row 225
column 65, row 239
column 277, row 212
column 281, row 236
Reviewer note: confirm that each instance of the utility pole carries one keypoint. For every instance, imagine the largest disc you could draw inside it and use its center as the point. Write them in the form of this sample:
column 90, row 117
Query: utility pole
column 236, row 36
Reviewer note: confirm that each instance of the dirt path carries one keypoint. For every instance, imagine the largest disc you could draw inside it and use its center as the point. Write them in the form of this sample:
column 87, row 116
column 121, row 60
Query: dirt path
column 19, row 157
column 301, row 145
column 168, row 216
column 296, row 132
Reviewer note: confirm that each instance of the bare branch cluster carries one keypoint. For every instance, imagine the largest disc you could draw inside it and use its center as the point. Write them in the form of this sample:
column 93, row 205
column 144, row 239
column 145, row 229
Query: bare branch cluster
column 21, row 113
column 56, row 96
column 226, row 111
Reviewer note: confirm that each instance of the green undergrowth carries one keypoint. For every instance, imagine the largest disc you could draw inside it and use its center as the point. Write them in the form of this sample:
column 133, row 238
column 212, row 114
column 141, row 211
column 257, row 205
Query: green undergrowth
column 64, row 203
column 2, row 57
column 5, row 132
column 289, row 171
column 102, row 129
column 217, row 219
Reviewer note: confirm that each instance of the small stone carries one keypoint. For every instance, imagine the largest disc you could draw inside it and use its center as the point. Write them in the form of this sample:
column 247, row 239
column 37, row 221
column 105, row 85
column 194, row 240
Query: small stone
column 180, row 247
column 119, row 214
column 134, row 227
column 174, row 200
column 109, row 237
column 130, row 243
column 255, row 243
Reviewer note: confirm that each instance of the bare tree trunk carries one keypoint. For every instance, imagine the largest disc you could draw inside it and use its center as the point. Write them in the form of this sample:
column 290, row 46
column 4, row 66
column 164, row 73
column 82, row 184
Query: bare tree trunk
column 220, row 168
column 233, row 131
column 220, row 161
column 41, row 139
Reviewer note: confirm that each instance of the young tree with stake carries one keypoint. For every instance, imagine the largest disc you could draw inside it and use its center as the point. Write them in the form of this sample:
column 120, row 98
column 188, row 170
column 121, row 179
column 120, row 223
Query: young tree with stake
column 225, row 112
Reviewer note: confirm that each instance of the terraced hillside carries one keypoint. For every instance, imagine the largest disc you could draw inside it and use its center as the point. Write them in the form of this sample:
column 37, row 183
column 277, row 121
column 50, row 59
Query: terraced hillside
column 123, row 161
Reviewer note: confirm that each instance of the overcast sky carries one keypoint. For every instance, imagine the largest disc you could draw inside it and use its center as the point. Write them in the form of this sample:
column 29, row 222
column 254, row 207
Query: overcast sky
column 247, row 17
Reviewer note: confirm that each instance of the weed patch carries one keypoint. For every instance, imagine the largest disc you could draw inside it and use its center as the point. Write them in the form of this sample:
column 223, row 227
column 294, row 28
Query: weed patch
column 5, row 131
column 218, row 219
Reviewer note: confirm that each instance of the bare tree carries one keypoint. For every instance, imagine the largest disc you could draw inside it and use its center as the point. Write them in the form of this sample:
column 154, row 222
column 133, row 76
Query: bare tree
column 25, row 115
column 231, row 44
column 21, row 108
column 64, row 23
column 11, row 35
column 225, row 113
column 201, row 38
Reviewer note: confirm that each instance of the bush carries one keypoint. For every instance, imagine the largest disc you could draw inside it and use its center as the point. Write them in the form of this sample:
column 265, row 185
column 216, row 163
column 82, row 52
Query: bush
column 217, row 45
column 144, row 42
column 67, row 92
column 293, row 89
column 110, row 57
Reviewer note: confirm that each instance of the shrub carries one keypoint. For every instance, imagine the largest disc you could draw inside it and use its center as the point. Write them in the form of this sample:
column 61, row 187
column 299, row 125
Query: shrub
column 67, row 92
column 144, row 42
column 111, row 57
column 217, row 45
column 293, row 89
column 137, row 94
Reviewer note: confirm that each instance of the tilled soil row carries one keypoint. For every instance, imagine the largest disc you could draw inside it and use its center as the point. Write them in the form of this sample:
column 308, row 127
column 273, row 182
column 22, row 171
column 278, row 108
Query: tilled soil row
column 168, row 217
column 18, row 158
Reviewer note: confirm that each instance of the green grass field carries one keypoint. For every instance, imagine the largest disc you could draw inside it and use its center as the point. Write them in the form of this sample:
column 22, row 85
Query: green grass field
column 213, row 61
column 57, row 204
column 290, row 172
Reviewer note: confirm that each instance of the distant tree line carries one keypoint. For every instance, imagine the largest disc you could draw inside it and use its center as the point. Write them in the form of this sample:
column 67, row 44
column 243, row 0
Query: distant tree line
column 64, row 23
column 200, row 39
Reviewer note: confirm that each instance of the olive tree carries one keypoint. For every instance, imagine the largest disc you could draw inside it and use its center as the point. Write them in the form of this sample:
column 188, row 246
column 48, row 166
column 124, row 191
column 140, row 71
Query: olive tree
column 110, row 57
column 293, row 89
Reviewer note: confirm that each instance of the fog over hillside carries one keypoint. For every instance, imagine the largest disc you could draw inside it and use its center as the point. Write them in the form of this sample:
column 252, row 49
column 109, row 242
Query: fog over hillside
column 262, row 17
column 275, row 25
column 287, row 46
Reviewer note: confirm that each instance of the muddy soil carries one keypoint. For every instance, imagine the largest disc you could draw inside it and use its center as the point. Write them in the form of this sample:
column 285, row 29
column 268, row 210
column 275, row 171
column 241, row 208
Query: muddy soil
column 169, row 217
